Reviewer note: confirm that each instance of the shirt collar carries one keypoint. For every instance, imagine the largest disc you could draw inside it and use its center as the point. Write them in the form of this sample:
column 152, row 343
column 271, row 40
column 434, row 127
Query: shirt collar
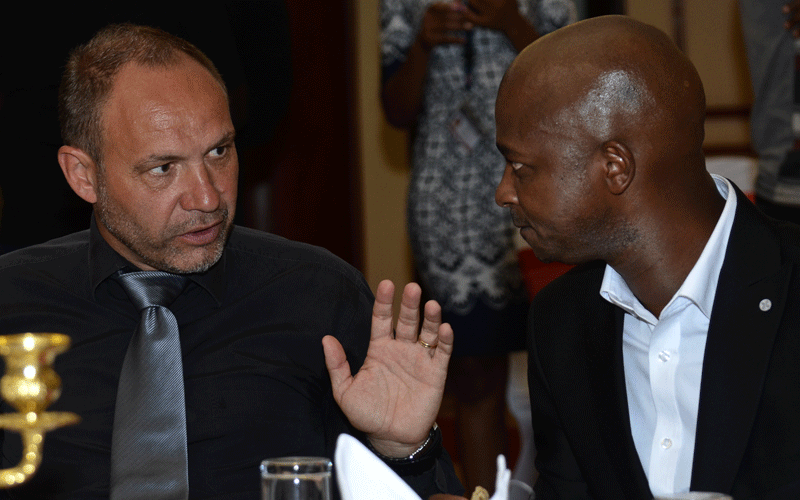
column 700, row 286
column 104, row 261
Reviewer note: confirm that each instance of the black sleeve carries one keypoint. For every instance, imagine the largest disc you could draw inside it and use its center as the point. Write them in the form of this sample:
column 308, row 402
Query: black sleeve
column 438, row 477
column 559, row 474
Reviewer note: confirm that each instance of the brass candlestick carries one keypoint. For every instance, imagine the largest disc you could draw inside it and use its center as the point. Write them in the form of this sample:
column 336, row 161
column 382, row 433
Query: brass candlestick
column 30, row 385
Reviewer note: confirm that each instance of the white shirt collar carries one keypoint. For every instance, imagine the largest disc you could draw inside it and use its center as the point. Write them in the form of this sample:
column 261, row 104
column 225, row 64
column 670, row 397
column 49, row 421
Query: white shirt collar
column 700, row 285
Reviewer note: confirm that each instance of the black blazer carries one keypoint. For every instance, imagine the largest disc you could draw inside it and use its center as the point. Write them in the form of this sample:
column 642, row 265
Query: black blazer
column 748, row 423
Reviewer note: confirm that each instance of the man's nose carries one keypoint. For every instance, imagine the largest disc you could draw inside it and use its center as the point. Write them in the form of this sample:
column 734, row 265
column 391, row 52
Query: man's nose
column 201, row 192
column 505, row 194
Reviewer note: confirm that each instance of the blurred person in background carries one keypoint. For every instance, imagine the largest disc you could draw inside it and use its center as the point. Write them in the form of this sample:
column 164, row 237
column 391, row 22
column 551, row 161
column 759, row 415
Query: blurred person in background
column 770, row 29
column 442, row 65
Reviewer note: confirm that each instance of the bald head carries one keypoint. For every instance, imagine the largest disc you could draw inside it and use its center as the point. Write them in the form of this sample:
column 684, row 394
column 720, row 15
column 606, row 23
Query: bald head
column 609, row 78
column 601, row 125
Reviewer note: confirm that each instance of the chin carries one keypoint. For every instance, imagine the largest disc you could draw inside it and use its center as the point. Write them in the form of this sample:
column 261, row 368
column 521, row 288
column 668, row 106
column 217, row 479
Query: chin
column 192, row 259
column 545, row 258
column 542, row 254
column 200, row 265
column 548, row 255
column 186, row 261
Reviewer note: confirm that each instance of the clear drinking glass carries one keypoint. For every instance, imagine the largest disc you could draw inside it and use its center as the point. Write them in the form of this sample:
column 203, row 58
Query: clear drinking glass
column 296, row 478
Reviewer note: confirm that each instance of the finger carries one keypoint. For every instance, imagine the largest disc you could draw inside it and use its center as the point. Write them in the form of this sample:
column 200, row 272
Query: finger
column 441, row 8
column 338, row 367
column 444, row 332
column 475, row 19
column 408, row 319
column 429, row 333
column 482, row 8
column 453, row 25
column 442, row 23
column 449, row 16
column 476, row 6
column 448, row 27
column 446, row 341
column 382, row 310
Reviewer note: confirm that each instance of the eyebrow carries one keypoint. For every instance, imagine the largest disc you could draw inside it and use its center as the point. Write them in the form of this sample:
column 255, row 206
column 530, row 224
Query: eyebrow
column 228, row 137
column 157, row 159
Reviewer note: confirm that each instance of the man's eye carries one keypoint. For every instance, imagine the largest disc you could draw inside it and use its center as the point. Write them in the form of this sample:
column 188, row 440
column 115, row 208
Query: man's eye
column 516, row 165
column 219, row 151
column 162, row 169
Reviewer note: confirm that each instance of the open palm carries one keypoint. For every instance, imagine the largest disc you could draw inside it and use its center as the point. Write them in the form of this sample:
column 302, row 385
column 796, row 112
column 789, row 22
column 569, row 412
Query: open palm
column 395, row 396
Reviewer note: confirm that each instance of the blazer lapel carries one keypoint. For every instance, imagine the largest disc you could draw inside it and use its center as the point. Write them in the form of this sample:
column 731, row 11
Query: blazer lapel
column 610, row 398
column 749, row 303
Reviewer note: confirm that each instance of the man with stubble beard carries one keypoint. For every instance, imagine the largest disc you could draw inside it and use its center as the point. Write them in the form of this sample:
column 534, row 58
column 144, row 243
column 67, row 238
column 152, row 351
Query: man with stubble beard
column 270, row 330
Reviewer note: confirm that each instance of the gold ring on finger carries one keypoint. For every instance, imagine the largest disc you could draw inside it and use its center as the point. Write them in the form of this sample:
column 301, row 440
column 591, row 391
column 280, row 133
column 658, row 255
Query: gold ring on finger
column 427, row 345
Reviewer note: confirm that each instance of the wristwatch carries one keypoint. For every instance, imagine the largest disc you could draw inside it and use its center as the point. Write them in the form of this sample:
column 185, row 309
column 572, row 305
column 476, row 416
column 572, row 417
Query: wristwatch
column 420, row 459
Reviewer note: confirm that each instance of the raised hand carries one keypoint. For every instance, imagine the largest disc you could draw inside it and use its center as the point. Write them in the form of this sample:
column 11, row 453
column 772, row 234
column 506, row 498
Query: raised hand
column 395, row 396
column 494, row 14
column 441, row 22
column 503, row 16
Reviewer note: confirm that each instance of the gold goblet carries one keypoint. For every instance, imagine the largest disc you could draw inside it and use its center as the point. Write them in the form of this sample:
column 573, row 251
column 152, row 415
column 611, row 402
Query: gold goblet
column 30, row 385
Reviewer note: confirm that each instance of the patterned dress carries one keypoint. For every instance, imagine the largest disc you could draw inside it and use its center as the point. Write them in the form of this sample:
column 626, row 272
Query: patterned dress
column 461, row 240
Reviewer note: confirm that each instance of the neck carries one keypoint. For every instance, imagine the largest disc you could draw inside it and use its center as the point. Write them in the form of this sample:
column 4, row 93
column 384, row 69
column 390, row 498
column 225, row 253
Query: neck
column 676, row 235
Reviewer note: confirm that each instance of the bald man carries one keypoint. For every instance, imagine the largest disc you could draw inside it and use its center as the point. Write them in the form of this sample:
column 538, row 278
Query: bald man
column 669, row 360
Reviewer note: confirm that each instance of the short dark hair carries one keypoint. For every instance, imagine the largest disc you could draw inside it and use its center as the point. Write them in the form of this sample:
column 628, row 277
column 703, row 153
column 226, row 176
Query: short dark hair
column 92, row 68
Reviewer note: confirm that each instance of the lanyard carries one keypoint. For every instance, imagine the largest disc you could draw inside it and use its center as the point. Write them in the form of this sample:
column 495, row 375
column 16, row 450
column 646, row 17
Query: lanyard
column 469, row 56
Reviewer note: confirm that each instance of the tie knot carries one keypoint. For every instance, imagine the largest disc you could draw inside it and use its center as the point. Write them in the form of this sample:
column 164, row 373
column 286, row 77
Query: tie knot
column 152, row 288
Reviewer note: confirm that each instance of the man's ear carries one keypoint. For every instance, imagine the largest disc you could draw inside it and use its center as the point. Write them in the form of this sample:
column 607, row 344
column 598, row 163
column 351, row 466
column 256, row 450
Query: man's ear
column 80, row 171
column 619, row 166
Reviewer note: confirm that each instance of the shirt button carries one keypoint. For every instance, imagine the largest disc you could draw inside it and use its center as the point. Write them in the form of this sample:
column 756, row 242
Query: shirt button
column 663, row 356
column 666, row 443
column 765, row 305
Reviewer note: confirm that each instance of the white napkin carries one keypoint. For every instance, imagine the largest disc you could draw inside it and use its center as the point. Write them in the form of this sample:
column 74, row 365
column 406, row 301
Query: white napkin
column 501, row 482
column 363, row 476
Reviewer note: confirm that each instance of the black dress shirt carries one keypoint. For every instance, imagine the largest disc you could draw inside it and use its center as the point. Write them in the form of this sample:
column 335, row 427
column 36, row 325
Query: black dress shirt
column 251, row 332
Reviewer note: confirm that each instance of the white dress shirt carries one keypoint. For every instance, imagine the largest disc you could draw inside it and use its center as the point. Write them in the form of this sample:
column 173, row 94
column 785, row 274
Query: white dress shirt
column 663, row 360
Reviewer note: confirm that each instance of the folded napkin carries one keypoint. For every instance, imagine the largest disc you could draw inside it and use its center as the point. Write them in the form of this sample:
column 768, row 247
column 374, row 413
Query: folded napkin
column 363, row 476
column 501, row 482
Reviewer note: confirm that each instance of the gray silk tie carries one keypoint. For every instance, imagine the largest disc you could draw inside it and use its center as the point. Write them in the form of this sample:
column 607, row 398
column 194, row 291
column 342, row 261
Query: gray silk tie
column 148, row 445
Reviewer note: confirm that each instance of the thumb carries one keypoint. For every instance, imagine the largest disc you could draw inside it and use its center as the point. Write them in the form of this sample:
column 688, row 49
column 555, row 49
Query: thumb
column 338, row 367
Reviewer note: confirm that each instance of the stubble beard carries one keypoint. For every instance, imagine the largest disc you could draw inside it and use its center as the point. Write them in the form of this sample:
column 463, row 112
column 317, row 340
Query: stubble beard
column 600, row 236
column 606, row 235
column 161, row 252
